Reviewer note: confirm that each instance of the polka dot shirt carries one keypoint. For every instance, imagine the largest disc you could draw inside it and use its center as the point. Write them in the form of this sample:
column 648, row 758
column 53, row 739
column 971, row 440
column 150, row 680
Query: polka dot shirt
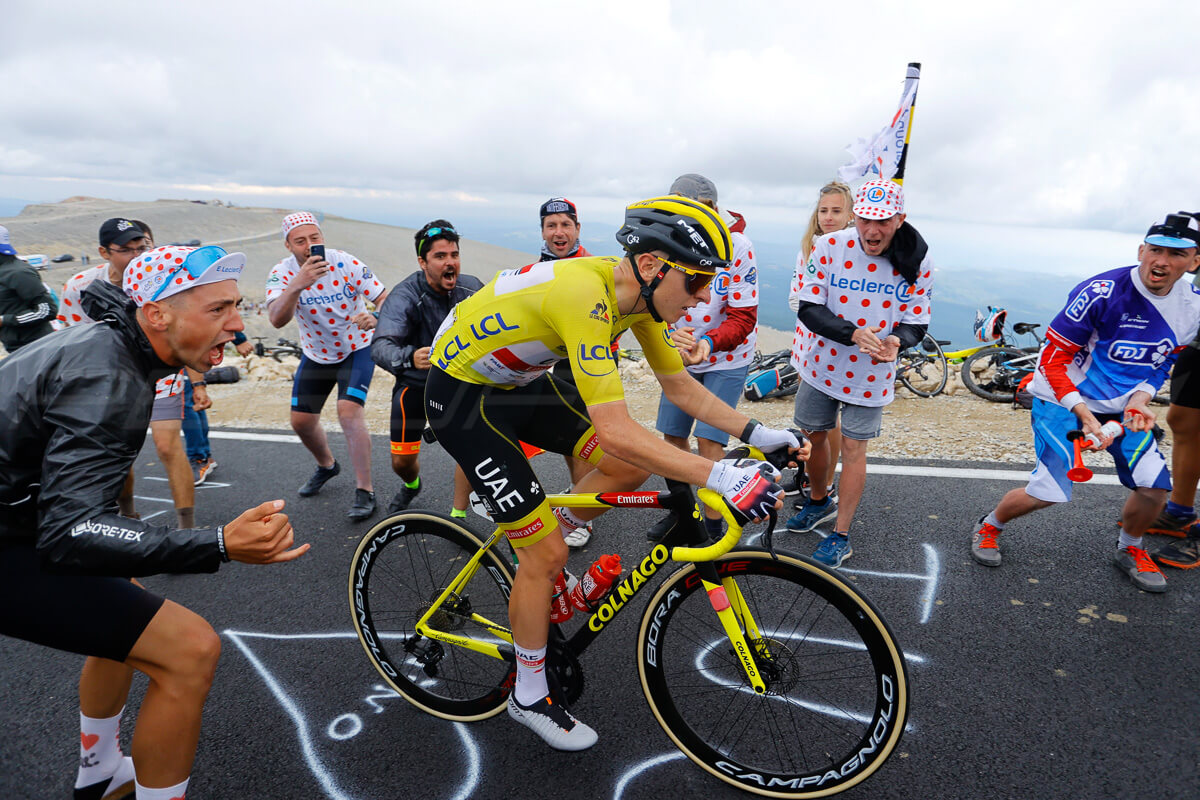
column 323, row 310
column 866, row 291
column 734, row 287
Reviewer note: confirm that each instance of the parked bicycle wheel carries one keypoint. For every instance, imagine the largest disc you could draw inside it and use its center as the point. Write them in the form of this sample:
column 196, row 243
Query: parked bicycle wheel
column 993, row 375
column 923, row 369
column 400, row 567
column 837, row 685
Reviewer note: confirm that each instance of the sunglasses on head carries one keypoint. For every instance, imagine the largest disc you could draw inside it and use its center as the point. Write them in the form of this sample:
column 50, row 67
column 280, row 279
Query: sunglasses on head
column 696, row 279
column 196, row 264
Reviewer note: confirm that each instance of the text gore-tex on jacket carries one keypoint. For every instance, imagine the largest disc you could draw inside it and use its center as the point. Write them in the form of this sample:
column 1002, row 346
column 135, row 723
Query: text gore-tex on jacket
column 73, row 417
column 410, row 316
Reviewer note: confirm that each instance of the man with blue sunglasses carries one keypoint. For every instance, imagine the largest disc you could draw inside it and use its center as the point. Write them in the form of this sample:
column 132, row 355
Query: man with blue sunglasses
column 73, row 418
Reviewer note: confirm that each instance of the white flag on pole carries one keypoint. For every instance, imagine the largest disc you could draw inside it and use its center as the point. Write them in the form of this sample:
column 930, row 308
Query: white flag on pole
column 881, row 154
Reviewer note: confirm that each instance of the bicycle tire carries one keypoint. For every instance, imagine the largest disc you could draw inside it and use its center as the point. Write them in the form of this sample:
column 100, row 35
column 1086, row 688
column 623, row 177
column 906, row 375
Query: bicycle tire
column 837, row 694
column 399, row 568
column 984, row 376
column 926, row 356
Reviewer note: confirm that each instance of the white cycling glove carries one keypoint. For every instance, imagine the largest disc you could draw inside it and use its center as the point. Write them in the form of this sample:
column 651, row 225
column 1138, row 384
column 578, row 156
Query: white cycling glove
column 748, row 486
column 767, row 439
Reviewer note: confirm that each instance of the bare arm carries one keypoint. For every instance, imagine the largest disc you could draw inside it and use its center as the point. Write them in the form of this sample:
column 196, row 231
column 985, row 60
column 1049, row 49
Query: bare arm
column 624, row 438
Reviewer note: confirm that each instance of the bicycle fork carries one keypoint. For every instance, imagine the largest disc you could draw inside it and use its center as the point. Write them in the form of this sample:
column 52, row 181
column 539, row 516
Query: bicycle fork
column 733, row 612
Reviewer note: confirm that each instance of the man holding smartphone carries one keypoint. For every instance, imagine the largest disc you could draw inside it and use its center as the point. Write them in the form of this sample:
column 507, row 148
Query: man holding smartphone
column 325, row 291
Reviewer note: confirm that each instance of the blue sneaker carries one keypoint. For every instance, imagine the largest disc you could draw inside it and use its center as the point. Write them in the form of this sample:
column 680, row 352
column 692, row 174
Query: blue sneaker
column 833, row 550
column 812, row 515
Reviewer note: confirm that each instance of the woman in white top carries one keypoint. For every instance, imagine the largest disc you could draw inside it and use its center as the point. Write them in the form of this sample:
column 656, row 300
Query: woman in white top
column 832, row 212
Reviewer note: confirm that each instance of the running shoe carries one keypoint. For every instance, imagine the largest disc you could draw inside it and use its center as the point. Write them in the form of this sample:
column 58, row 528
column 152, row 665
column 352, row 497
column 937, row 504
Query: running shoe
column 811, row 515
column 656, row 533
column 364, row 505
column 403, row 498
column 117, row 787
column 984, row 547
column 1181, row 555
column 319, row 479
column 790, row 487
column 554, row 723
column 1170, row 525
column 1141, row 569
column 579, row 536
column 833, row 550
column 201, row 469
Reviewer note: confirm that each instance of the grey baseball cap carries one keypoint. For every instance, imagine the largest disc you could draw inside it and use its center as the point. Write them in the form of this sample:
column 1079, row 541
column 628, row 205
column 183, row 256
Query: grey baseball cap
column 696, row 187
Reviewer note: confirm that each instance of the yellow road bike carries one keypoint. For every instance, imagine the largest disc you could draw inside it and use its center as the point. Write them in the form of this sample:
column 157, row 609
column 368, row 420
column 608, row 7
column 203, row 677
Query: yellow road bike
column 767, row 670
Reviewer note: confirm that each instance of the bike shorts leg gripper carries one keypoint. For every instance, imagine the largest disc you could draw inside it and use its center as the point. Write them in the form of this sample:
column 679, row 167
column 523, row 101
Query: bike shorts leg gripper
column 531, row 528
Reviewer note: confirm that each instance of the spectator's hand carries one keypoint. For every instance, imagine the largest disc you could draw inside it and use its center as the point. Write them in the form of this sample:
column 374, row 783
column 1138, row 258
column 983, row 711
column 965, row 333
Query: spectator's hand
column 200, row 398
column 262, row 536
column 1138, row 416
column 245, row 348
column 699, row 353
column 683, row 338
column 365, row 320
column 1090, row 425
column 866, row 339
column 889, row 349
column 312, row 270
column 421, row 358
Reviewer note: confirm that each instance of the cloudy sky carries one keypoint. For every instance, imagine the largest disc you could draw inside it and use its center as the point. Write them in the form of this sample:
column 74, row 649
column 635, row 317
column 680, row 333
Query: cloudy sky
column 1031, row 115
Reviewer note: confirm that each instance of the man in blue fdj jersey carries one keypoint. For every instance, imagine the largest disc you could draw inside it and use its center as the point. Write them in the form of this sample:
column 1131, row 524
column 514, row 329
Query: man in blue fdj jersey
column 1106, row 355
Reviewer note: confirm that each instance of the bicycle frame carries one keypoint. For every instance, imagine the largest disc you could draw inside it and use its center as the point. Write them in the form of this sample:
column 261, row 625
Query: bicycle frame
column 723, row 592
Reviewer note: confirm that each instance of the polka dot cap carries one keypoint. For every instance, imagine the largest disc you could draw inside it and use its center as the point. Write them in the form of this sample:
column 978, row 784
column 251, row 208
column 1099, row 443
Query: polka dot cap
column 293, row 221
column 879, row 200
column 161, row 271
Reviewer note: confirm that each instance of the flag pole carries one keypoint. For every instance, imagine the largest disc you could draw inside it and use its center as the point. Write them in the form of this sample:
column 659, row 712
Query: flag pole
column 914, row 72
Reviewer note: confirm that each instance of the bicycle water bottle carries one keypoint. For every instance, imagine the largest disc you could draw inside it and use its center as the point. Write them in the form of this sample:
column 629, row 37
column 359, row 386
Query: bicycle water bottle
column 596, row 582
column 560, row 606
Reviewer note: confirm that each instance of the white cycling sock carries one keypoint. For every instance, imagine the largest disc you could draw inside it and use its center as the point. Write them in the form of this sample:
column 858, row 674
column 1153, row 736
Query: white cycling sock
column 531, row 675
column 567, row 517
column 99, row 749
column 1128, row 541
column 175, row 792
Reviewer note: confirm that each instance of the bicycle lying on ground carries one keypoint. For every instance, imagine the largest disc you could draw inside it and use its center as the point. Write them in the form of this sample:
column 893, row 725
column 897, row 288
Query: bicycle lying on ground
column 282, row 349
column 922, row 369
column 995, row 371
column 769, row 671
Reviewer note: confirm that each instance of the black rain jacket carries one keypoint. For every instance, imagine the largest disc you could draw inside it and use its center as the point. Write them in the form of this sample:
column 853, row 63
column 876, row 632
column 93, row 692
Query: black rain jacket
column 410, row 316
column 74, row 408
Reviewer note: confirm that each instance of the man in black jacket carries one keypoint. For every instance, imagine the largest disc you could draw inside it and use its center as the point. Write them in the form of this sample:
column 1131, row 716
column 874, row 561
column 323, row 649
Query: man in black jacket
column 26, row 306
column 73, row 416
column 408, row 320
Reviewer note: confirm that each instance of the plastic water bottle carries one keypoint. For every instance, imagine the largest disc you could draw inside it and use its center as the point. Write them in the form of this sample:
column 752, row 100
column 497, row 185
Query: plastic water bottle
column 560, row 606
column 1112, row 429
column 596, row 582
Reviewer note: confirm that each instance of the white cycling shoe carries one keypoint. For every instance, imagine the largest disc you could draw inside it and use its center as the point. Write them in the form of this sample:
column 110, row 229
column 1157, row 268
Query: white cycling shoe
column 554, row 723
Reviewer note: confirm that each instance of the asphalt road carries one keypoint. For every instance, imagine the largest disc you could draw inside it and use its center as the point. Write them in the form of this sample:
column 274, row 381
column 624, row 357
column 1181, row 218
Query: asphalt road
column 1051, row 677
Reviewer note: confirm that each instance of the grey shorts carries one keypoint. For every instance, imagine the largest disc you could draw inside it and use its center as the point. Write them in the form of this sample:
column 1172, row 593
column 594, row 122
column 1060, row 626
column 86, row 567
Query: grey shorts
column 817, row 411
column 167, row 408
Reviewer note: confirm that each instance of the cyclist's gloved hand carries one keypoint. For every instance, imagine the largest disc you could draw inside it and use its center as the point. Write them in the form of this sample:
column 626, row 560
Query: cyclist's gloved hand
column 768, row 439
column 748, row 486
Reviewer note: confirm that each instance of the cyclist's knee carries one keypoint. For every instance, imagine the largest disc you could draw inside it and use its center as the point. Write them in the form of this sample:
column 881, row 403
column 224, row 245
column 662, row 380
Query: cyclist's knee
column 184, row 650
column 403, row 465
column 546, row 558
column 1184, row 422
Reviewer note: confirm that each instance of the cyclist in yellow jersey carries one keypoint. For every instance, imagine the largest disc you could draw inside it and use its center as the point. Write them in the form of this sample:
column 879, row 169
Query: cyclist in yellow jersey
column 482, row 399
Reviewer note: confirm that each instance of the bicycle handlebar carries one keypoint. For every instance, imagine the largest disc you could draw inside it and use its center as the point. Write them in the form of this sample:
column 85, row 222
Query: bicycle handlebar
column 723, row 545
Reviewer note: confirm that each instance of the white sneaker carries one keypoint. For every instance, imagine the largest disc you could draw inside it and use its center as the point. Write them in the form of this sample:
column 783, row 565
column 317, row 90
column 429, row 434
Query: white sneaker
column 578, row 537
column 551, row 721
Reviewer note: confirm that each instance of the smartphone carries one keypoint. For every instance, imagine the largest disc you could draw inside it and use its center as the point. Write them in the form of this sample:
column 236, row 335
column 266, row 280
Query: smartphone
column 316, row 250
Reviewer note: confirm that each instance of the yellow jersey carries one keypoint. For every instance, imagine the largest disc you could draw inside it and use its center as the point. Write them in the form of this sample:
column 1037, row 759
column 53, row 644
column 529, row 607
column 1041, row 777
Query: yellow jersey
column 524, row 321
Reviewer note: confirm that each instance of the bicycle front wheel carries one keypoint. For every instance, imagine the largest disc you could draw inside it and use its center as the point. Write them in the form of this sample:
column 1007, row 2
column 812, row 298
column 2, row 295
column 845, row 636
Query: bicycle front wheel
column 923, row 369
column 987, row 375
column 400, row 567
column 837, row 685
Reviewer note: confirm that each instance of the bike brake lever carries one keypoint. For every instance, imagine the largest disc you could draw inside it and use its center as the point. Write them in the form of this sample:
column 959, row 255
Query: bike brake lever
column 767, row 535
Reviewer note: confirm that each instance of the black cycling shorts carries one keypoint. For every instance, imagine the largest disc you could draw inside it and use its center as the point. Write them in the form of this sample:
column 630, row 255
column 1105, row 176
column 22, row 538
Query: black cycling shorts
column 314, row 381
column 1185, row 379
column 408, row 419
column 89, row 615
column 482, row 428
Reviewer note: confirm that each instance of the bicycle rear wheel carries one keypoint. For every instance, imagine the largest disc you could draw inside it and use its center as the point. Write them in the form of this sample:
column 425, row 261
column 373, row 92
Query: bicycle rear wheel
column 986, row 375
column 923, row 369
column 837, row 685
column 400, row 567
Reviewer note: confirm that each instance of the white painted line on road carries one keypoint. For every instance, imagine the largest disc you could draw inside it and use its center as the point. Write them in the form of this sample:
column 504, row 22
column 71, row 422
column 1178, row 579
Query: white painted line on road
column 971, row 474
column 255, row 437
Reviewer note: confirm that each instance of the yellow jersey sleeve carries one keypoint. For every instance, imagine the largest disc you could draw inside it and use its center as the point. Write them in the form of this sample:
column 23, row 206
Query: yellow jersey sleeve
column 656, row 344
